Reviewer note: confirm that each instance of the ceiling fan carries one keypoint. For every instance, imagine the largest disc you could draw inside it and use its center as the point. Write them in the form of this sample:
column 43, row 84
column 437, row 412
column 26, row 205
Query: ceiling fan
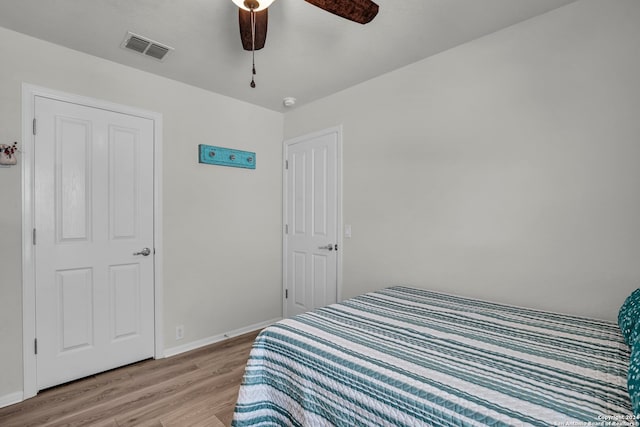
column 253, row 18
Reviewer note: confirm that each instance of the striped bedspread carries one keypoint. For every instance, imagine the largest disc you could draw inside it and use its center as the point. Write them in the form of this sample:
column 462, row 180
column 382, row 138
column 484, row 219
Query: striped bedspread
column 411, row 357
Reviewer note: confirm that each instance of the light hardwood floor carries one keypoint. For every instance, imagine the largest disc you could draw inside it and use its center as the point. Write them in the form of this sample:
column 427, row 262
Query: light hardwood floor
column 198, row 388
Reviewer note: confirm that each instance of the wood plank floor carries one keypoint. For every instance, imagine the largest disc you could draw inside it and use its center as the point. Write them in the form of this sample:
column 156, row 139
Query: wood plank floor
column 198, row 388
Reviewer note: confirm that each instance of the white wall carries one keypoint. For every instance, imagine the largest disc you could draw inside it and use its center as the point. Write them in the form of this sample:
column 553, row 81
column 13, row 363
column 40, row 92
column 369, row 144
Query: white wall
column 505, row 168
column 222, row 234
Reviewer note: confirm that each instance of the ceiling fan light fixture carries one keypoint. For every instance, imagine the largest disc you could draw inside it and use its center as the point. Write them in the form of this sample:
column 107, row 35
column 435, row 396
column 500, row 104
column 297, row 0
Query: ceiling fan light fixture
column 256, row 5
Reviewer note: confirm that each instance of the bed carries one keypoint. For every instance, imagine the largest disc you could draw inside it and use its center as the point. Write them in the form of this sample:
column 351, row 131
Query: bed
column 411, row 357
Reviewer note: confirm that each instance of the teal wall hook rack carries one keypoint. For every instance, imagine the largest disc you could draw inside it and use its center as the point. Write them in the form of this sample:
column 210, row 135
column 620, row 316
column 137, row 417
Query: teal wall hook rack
column 221, row 156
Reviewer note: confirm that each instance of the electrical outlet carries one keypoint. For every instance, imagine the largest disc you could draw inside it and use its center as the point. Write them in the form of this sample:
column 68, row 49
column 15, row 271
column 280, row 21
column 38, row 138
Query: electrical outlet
column 179, row 332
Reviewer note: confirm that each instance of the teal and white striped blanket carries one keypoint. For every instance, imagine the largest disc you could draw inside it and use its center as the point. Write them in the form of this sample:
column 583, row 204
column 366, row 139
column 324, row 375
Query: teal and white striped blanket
column 411, row 357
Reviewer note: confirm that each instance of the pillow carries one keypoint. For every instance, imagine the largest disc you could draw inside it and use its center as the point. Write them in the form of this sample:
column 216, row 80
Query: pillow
column 628, row 317
column 633, row 379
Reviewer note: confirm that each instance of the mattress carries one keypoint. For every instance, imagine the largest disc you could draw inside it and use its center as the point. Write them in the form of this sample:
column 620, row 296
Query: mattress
column 410, row 357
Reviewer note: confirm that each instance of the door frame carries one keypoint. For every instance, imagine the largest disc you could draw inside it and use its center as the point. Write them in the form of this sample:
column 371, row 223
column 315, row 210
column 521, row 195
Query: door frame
column 29, row 93
column 285, row 180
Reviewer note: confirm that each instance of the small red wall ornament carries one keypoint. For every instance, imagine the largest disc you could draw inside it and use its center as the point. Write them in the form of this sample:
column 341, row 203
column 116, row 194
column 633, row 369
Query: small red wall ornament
column 8, row 154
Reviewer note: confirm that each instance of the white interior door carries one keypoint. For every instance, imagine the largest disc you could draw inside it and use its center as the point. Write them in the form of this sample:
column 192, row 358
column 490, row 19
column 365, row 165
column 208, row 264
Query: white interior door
column 93, row 180
column 311, row 218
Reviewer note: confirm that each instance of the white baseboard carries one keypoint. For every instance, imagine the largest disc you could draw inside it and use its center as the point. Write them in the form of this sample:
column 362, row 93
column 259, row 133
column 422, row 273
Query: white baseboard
column 10, row 399
column 173, row 351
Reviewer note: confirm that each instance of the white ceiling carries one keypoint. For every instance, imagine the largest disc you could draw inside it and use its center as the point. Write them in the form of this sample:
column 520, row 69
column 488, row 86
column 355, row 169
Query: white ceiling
column 309, row 53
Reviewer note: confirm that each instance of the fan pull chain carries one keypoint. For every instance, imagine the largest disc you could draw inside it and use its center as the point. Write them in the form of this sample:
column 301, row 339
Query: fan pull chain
column 253, row 46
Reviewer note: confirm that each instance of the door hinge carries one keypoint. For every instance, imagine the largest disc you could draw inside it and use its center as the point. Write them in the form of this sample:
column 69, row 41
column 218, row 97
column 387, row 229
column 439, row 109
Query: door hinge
column 286, row 294
column 34, row 126
column 286, row 229
column 286, row 164
column 35, row 346
column 33, row 237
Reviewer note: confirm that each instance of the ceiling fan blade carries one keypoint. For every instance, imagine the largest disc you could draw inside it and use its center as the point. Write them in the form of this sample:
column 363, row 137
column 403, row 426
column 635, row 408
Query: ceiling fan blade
column 360, row 11
column 262, row 18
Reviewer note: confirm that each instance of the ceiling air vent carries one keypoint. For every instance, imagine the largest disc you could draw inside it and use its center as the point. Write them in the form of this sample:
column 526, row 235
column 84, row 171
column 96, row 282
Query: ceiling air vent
column 145, row 46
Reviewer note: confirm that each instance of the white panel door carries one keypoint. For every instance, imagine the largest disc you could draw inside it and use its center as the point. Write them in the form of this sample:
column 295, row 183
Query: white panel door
column 312, row 223
column 93, row 213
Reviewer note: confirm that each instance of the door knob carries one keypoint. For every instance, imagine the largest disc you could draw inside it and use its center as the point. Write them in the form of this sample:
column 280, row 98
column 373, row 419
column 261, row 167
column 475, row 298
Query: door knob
column 328, row 247
column 144, row 252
